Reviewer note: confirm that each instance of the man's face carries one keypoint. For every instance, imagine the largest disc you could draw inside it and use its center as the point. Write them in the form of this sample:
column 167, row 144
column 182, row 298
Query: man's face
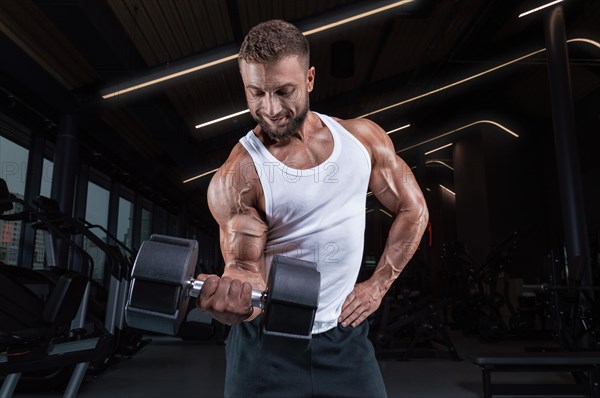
column 277, row 94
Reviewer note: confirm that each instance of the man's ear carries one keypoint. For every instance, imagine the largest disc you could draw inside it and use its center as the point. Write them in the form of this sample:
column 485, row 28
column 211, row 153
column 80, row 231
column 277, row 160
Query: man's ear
column 310, row 79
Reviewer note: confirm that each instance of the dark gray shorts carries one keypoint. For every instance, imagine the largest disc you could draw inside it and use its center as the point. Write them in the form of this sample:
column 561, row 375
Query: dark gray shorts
column 339, row 363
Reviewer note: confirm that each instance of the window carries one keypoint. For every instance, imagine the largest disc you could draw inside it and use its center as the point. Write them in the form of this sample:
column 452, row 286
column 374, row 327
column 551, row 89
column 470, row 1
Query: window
column 13, row 169
column 146, row 227
column 45, row 190
column 125, row 222
column 96, row 212
column 46, row 184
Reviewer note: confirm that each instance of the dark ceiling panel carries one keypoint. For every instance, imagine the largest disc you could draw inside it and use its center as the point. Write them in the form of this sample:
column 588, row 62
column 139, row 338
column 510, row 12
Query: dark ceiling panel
column 30, row 29
column 129, row 17
column 252, row 12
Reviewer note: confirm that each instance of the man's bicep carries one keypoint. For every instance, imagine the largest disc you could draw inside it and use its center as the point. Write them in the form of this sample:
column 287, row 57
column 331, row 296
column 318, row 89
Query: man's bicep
column 243, row 239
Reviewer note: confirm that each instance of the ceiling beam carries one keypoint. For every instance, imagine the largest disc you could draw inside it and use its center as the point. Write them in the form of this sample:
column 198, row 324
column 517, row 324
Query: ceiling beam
column 235, row 21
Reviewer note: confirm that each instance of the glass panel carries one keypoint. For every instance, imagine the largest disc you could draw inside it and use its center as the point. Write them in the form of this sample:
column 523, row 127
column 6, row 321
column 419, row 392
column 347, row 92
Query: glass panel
column 46, row 186
column 45, row 190
column 96, row 213
column 13, row 169
column 39, row 250
column 125, row 222
column 146, row 226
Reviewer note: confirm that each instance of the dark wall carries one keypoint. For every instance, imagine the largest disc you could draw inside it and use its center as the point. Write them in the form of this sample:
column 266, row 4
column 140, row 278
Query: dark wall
column 442, row 217
column 506, row 185
column 470, row 182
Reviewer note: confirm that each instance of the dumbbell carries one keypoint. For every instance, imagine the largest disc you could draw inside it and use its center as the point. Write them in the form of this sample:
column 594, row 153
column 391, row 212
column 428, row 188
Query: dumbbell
column 162, row 283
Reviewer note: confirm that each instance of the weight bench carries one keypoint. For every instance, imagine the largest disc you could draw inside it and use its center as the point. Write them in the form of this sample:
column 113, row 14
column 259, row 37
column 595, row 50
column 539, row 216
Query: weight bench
column 586, row 362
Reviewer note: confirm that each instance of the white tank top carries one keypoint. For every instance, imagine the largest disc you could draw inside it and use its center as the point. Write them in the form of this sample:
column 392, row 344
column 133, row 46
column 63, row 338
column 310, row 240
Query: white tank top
column 318, row 214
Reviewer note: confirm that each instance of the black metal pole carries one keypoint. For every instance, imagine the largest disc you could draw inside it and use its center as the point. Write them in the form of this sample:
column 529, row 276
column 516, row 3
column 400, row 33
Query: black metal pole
column 567, row 162
column 567, row 159
column 65, row 163
column 63, row 177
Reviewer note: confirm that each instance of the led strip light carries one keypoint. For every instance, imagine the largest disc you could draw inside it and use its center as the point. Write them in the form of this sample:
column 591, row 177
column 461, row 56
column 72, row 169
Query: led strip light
column 540, row 8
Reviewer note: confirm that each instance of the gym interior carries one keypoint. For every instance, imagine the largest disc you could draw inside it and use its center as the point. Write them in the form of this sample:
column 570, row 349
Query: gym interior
column 115, row 114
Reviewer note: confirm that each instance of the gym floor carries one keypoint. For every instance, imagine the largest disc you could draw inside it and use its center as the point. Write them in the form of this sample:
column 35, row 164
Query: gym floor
column 169, row 367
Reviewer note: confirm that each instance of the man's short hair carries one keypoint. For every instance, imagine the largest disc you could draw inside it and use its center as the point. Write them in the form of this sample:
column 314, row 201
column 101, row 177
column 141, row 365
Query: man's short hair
column 272, row 40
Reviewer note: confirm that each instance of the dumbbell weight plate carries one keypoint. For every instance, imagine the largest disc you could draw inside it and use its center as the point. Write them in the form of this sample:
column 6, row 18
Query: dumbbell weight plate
column 158, row 296
column 292, row 302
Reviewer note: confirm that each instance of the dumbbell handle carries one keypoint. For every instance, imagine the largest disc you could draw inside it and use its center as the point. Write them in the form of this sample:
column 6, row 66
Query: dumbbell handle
column 258, row 298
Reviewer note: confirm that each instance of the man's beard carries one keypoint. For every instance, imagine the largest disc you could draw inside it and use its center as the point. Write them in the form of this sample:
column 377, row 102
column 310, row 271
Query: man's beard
column 292, row 127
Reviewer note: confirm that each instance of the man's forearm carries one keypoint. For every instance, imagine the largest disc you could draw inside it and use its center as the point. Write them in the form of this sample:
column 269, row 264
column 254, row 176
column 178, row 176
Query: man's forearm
column 403, row 240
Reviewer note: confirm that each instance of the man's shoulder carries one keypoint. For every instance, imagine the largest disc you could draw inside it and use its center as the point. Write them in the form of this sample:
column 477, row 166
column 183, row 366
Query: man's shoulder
column 238, row 153
column 358, row 126
column 366, row 131
column 238, row 167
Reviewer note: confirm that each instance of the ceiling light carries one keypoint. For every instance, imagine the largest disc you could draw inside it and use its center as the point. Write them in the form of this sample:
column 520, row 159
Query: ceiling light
column 200, row 176
column 475, row 76
column 438, row 149
column 356, row 17
column 540, row 8
column 461, row 128
column 169, row 76
column 386, row 213
column 398, row 129
column 444, row 188
column 222, row 118
column 435, row 161
column 437, row 90
column 440, row 162
column 584, row 40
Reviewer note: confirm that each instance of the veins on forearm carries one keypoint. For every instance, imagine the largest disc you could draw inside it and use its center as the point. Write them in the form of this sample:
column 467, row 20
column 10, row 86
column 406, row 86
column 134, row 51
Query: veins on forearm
column 401, row 245
column 241, row 206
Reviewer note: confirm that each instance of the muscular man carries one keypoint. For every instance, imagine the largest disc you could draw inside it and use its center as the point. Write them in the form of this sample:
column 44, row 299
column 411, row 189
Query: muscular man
column 296, row 185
